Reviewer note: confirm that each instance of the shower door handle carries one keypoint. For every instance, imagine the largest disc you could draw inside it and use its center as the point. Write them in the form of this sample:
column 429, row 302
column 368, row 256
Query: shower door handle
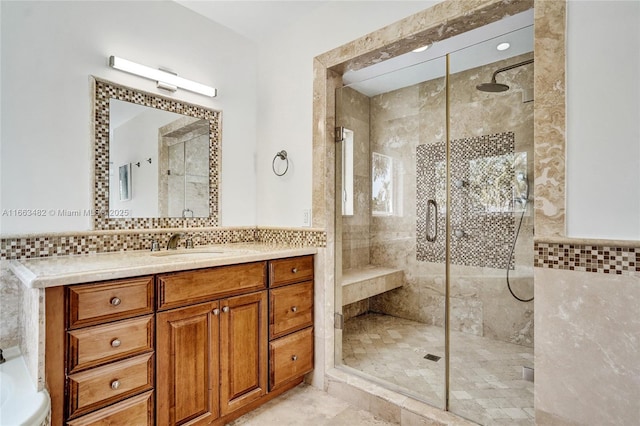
column 430, row 204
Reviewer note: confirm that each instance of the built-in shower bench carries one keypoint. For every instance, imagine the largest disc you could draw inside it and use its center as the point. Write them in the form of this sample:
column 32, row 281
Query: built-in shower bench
column 362, row 283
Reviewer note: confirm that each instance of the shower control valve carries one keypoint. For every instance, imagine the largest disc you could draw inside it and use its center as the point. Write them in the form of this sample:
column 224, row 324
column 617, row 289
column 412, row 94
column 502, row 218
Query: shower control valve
column 459, row 183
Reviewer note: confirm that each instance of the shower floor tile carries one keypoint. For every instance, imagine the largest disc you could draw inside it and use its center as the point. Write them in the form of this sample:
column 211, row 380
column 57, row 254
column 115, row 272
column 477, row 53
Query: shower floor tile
column 485, row 375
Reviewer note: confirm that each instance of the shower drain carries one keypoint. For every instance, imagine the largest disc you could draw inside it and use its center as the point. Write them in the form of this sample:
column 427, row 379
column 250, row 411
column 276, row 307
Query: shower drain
column 432, row 357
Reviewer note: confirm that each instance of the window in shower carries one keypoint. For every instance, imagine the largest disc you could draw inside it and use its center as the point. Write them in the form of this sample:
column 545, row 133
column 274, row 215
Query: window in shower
column 498, row 183
column 386, row 185
column 347, row 172
column 382, row 184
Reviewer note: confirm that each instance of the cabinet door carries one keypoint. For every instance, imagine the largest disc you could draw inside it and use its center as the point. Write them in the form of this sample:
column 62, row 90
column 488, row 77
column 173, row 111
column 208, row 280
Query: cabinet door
column 187, row 365
column 243, row 350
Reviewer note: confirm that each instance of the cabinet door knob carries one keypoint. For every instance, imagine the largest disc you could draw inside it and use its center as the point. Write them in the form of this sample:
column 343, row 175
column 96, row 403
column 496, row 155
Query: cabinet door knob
column 294, row 358
column 115, row 301
column 294, row 309
column 225, row 309
column 115, row 343
column 294, row 271
column 216, row 311
column 115, row 384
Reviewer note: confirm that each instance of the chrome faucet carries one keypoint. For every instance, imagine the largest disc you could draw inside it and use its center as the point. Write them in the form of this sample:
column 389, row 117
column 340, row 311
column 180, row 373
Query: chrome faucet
column 173, row 241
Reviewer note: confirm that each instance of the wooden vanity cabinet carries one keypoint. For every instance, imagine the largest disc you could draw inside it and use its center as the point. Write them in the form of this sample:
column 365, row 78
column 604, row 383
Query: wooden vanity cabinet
column 290, row 320
column 100, row 351
column 214, row 357
column 183, row 348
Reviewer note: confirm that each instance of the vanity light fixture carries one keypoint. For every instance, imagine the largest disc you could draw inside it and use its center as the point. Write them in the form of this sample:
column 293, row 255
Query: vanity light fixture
column 166, row 80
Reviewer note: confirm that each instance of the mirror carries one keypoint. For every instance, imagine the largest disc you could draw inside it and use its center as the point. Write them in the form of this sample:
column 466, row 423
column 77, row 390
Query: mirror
column 169, row 155
column 169, row 152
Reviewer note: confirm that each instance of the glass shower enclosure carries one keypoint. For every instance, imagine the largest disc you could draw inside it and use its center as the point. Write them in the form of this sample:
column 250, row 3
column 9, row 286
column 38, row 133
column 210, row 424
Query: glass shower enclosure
column 434, row 231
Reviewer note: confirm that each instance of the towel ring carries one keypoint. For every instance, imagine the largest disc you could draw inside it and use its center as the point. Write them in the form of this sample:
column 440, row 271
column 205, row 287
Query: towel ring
column 283, row 156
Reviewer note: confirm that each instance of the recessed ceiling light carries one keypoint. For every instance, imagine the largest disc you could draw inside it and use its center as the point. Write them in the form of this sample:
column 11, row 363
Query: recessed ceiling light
column 421, row 49
column 503, row 46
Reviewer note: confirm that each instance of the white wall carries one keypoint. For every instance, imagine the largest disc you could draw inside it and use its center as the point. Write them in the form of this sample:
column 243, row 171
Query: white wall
column 603, row 167
column 48, row 51
column 285, row 97
column 603, row 119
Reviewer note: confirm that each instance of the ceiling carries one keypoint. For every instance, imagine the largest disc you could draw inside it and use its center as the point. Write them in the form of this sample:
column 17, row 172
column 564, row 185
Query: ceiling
column 256, row 20
column 466, row 51
column 259, row 20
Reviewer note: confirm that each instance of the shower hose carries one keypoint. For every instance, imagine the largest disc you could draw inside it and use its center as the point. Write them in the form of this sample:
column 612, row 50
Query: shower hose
column 513, row 247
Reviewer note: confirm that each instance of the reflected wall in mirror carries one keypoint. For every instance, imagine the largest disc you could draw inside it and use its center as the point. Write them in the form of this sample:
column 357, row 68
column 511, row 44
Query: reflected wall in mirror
column 174, row 151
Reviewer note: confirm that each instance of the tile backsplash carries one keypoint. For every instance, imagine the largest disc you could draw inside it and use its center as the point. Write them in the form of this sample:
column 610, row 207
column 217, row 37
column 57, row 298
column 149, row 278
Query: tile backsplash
column 27, row 247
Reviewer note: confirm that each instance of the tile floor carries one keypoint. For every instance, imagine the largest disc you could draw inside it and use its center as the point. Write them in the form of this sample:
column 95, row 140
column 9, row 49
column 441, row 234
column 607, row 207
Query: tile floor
column 306, row 405
column 486, row 375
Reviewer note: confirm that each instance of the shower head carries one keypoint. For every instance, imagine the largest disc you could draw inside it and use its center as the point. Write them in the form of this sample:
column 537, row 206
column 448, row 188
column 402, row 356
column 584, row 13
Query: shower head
column 494, row 87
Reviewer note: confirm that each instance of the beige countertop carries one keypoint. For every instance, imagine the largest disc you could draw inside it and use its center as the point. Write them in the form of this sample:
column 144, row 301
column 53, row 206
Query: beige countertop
column 75, row 269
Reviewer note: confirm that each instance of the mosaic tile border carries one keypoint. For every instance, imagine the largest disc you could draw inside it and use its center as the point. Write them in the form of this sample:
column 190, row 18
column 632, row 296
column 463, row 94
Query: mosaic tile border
column 604, row 259
column 103, row 92
column 60, row 245
column 292, row 237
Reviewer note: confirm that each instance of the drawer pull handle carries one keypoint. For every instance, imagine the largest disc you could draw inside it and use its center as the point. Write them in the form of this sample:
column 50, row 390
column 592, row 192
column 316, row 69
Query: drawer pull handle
column 115, row 384
column 216, row 311
column 294, row 271
column 115, row 301
column 115, row 343
column 294, row 358
column 294, row 309
column 225, row 309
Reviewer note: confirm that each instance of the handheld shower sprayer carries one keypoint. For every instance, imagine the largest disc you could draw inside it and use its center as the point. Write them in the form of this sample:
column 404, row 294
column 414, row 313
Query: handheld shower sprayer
column 521, row 178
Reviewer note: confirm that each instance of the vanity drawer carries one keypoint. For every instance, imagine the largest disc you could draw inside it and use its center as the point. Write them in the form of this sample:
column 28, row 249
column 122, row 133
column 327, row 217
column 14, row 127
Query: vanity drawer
column 133, row 411
column 96, row 303
column 289, row 271
column 290, row 357
column 290, row 308
column 92, row 346
column 191, row 287
column 105, row 385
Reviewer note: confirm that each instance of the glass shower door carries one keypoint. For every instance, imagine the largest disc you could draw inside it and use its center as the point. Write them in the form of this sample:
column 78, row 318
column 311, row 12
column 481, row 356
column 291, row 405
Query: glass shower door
column 491, row 233
column 434, row 232
column 390, row 229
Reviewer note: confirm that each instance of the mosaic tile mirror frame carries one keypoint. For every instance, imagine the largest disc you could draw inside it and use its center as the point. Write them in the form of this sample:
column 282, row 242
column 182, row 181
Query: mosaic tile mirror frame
column 104, row 91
